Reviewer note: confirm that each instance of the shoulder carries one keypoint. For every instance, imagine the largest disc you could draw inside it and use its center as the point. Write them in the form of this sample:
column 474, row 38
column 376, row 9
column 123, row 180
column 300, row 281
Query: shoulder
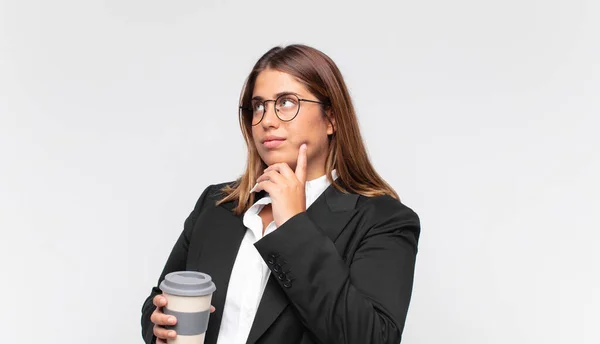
column 211, row 194
column 388, row 213
column 215, row 191
column 386, row 206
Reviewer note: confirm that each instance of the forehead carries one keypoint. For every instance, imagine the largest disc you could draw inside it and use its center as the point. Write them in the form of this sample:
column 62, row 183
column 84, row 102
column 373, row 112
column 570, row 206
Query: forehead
column 271, row 82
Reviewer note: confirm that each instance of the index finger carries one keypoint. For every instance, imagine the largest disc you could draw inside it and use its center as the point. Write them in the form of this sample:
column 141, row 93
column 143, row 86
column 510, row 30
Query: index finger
column 159, row 301
column 301, row 164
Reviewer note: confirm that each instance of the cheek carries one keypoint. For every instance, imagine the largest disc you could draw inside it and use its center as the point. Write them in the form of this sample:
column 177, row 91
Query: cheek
column 314, row 131
column 254, row 134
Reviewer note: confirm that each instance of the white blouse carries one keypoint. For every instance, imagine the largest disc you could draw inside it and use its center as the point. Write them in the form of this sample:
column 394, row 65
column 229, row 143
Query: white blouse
column 250, row 273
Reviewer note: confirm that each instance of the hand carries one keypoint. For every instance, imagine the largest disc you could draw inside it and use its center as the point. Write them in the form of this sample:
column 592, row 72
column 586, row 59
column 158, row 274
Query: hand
column 160, row 319
column 285, row 187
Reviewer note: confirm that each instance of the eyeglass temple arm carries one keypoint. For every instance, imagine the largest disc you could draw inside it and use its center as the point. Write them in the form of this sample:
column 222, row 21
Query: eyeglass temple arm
column 311, row 101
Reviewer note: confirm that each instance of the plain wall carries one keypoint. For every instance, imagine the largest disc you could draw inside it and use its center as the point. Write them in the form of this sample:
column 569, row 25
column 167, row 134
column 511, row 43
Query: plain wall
column 483, row 115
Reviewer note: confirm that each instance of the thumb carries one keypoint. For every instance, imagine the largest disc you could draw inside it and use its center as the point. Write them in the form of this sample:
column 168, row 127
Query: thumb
column 301, row 164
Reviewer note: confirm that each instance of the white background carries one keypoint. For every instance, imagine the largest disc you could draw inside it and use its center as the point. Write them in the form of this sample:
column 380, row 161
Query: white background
column 115, row 115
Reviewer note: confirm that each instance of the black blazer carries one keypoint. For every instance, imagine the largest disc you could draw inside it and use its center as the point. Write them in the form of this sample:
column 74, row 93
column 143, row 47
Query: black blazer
column 342, row 272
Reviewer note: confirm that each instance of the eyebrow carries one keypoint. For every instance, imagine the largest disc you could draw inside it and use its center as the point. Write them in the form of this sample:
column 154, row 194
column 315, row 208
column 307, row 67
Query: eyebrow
column 276, row 95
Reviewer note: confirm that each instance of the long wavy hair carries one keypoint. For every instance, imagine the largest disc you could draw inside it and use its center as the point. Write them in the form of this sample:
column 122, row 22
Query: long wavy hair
column 347, row 153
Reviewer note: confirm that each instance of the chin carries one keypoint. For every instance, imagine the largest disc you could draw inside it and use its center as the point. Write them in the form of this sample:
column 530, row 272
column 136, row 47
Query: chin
column 273, row 157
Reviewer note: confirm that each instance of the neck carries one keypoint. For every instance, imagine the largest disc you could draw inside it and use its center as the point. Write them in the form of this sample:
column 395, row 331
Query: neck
column 314, row 174
column 316, row 167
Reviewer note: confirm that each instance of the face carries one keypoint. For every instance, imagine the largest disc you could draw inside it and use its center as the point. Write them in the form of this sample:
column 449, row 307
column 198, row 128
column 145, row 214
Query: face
column 309, row 126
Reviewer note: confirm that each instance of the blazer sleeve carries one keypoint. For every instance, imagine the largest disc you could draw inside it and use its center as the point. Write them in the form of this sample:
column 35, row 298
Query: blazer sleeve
column 176, row 262
column 364, row 300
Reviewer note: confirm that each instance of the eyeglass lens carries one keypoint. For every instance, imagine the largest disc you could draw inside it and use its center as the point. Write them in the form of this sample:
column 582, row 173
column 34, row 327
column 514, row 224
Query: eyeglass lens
column 286, row 108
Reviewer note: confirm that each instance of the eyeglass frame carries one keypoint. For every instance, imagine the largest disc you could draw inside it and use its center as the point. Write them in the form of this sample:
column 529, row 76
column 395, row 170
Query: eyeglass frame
column 264, row 104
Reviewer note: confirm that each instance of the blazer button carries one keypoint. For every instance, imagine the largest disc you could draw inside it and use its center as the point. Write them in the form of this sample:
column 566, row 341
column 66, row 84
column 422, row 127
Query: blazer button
column 287, row 284
column 276, row 267
column 270, row 261
column 282, row 276
column 274, row 255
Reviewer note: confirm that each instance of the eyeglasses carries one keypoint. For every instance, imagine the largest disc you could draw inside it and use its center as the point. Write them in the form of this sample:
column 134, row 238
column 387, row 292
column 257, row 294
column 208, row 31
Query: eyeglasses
column 287, row 107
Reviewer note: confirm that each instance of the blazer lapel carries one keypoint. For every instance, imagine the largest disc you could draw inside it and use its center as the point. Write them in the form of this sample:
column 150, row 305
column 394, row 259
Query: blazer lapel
column 219, row 257
column 331, row 211
column 272, row 303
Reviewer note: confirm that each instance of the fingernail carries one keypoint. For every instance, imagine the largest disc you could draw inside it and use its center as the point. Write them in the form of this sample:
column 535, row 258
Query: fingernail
column 172, row 334
column 171, row 320
column 254, row 188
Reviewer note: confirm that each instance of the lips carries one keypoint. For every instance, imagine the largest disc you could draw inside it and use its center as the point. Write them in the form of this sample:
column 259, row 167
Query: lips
column 272, row 138
column 273, row 143
column 278, row 140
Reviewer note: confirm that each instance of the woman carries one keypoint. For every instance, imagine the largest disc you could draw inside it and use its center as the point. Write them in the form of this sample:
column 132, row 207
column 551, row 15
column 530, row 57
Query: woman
column 310, row 244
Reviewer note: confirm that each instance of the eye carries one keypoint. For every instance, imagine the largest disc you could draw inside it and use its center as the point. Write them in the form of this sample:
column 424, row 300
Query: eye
column 257, row 106
column 287, row 102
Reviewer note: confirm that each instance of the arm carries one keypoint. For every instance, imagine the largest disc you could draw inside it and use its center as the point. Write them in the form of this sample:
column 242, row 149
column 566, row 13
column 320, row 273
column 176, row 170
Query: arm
column 363, row 302
column 176, row 262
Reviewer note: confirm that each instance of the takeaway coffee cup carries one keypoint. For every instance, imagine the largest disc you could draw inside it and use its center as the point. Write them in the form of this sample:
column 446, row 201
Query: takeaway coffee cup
column 188, row 294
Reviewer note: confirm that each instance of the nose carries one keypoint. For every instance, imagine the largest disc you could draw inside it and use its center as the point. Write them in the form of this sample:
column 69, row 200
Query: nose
column 270, row 118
